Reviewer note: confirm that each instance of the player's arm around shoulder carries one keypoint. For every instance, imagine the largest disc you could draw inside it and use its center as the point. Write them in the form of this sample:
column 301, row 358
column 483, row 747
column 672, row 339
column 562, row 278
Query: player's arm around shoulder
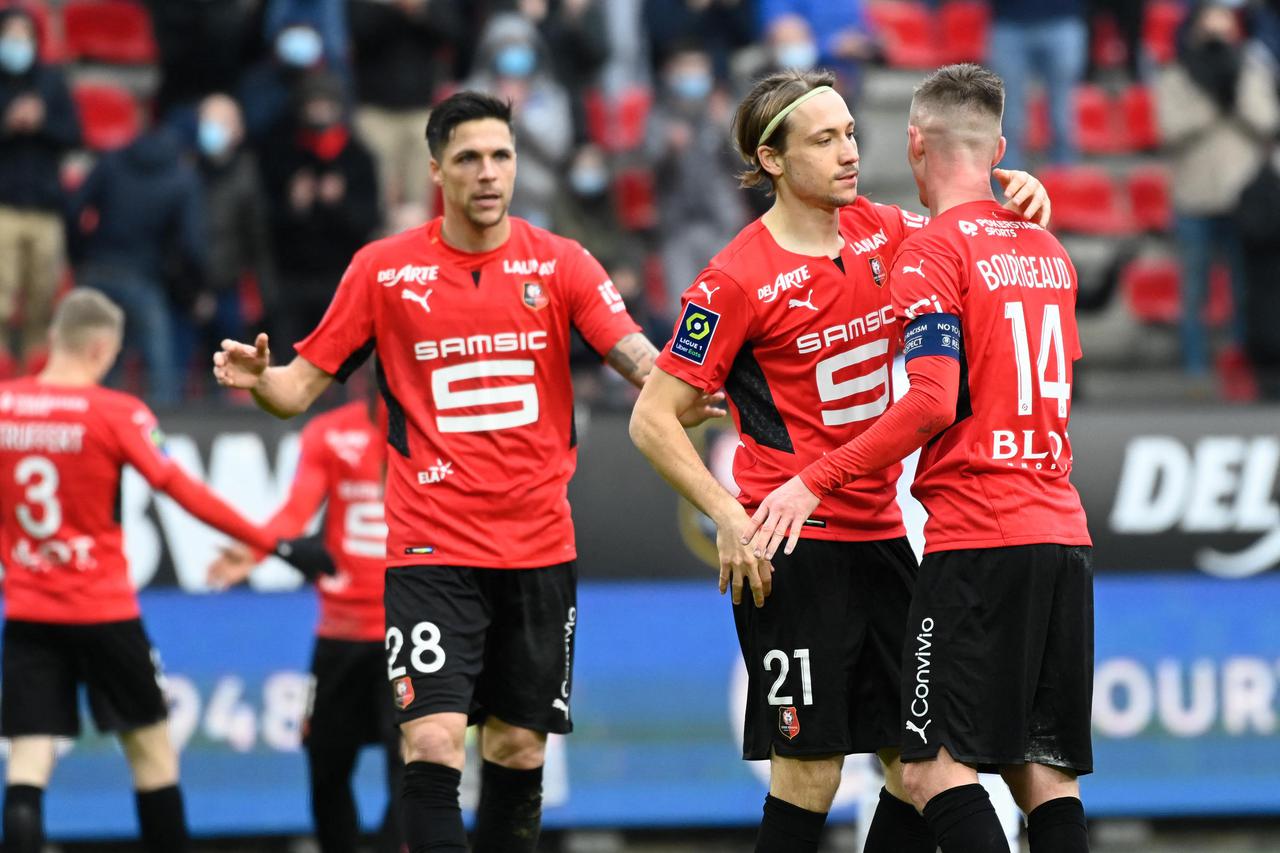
column 283, row 391
column 657, row 432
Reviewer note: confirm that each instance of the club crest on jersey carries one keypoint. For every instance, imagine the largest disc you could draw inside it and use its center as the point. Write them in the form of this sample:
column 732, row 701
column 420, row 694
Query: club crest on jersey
column 694, row 332
column 877, row 269
column 402, row 690
column 789, row 721
column 534, row 295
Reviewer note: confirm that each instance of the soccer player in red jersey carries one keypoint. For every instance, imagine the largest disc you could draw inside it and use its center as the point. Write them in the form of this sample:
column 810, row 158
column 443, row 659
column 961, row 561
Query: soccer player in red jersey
column 71, row 615
column 793, row 320
column 341, row 465
column 470, row 316
column 1000, row 633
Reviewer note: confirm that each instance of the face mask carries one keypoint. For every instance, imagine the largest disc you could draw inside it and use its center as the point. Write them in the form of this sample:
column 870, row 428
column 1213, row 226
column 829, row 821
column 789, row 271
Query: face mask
column 517, row 60
column 17, row 54
column 692, row 86
column 800, row 55
column 299, row 47
column 214, row 138
column 588, row 181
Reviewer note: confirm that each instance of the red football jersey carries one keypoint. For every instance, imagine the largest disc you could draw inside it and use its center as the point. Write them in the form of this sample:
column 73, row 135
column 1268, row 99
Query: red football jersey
column 61, row 453
column 473, row 357
column 341, row 465
column 1000, row 475
column 804, row 350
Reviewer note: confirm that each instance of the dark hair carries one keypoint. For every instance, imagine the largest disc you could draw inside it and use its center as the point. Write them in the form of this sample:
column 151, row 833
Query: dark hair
column 964, row 85
column 767, row 98
column 459, row 108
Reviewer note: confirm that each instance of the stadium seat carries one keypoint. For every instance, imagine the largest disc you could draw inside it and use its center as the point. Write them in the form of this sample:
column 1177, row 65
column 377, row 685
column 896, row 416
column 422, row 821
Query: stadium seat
column 635, row 198
column 619, row 124
column 1086, row 201
column 1140, row 128
column 108, row 115
column 115, row 31
column 1151, row 288
column 1106, row 47
column 1149, row 198
column 962, row 31
column 905, row 28
column 1096, row 132
column 1038, row 130
column 1160, row 28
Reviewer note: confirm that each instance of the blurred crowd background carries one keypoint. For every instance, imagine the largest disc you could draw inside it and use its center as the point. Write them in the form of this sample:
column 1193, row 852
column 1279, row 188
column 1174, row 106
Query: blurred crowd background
column 213, row 164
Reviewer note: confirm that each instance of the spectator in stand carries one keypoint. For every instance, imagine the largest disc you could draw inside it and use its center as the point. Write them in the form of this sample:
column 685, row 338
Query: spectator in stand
column 204, row 47
column 721, row 27
column 239, row 238
column 327, row 17
column 323, row 187
column 1218, row 111
column 839, row 33
column 1260, row 234
column 268, row 88
column 588, row 211
column 139, row 226
column 1127, row 16
column 512, row 63
column 400, row 65
column 699, row 205
column 38, row 124
column 1045, row 39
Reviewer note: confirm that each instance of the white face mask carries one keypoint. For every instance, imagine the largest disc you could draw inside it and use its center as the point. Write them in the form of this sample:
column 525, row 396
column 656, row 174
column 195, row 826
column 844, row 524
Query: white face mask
column 17, row 54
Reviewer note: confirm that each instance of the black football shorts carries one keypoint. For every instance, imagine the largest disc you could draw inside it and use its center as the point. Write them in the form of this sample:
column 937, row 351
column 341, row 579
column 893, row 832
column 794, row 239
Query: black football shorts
column 823, row 654
column 998, row 664
column 481, row 642
column 348, row 702
column 45, row 664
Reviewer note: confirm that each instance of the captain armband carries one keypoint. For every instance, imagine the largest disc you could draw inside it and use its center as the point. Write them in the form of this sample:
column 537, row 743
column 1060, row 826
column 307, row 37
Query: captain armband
column 932, row 334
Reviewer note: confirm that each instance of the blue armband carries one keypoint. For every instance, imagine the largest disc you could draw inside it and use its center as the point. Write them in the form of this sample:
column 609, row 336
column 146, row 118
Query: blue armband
column 932, row 334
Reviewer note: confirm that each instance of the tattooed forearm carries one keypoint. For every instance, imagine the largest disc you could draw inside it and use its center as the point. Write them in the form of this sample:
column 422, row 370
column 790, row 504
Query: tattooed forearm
column 633, row 357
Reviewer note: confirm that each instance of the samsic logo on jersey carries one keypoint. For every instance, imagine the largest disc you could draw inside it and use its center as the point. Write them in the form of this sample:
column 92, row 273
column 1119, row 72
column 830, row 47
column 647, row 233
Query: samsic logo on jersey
column 694, row 333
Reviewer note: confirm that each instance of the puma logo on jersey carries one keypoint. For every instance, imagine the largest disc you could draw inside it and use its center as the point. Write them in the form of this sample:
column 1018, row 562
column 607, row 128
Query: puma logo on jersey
column 702, row 285
column 918, row 270
column 421, row 299
column 561, row 705
column 912, row 727
column 807, row 302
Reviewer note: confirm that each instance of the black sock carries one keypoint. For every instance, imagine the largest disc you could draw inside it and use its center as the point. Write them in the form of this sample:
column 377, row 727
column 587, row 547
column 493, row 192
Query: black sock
column 429, row 808
column 964, row 821
column 163, row 820
column 509, row 817
column 789, row 829
column 1058, row 827
column 23, row 819
column 898, row 828
column 333, row 807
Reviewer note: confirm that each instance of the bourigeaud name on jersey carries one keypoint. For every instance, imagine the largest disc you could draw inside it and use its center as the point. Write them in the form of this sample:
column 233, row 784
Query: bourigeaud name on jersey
column 848, row 332
column 502, row 342
column 1032, row 271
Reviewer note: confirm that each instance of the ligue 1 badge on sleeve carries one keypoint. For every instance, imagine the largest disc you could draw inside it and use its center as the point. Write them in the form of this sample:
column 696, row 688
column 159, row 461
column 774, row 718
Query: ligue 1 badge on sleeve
column 877, row 269
column 534, row 295
column 789, row 722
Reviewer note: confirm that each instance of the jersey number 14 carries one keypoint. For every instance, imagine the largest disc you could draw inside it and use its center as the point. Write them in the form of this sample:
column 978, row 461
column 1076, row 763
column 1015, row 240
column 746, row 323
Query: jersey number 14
column 1050, row 346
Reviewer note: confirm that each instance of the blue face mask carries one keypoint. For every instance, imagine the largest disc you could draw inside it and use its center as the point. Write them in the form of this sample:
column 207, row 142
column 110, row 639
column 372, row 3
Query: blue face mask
column 691, row 86
column 299, row 47
column 17, row 54
column 516, row 60
column 587, row 181
column 800, row 55
column 214, row 138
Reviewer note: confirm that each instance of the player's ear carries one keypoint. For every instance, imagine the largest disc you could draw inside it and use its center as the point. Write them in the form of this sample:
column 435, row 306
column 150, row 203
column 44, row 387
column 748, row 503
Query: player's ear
column 1000, row 149
column 436, row 177
column 770, row 160
column 915, row 144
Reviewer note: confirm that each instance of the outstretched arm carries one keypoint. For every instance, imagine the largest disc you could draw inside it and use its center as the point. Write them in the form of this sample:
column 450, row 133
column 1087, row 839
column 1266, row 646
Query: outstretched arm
column 633, row 357
column 282, row 391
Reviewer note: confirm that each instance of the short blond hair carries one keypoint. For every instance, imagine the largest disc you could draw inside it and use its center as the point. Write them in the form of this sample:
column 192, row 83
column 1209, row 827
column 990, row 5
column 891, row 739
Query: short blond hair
column 768, row 97
column 83, row 313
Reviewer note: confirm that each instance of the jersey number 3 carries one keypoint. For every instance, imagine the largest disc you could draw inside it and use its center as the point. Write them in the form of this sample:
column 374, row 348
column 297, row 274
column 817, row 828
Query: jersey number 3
column 448, row 395
column 40, row 514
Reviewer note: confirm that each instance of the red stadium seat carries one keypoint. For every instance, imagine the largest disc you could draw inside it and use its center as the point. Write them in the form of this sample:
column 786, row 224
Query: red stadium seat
column 108, row 115
column 1096, row 132
column 962, row 31
column 1149, row 198
column 637, row 210
column 1152, row 290
column 1141, row 131
column 618, row 124
column 1160, row 28
column 1106, row 47
column 905, row 27
column 116, row 31
column 1038, row 130
column 1086, row 201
